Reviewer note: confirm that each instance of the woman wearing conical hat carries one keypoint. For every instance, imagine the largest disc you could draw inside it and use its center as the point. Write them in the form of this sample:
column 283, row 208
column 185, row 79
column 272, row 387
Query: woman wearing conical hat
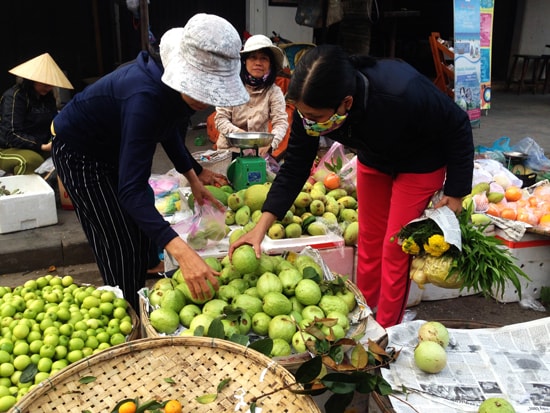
column 26, row 112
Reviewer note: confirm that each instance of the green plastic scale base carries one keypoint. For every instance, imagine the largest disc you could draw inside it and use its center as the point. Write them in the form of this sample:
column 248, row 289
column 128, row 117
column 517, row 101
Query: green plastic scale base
column 245, row 171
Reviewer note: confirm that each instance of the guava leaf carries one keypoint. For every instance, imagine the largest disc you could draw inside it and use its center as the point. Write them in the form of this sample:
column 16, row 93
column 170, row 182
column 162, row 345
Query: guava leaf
column 215, row 330
column 149, row 405
column 169, row 380
column 222, row 384
column 28, row 374
column 199, row 331
column 337, row 403
column 87, row 379
column 359, row 357
column 206, row 398
column 264, row 346
column 341, row 383
column 337, row 354
column 239, row 339
column 309, row 370
column 545, row 295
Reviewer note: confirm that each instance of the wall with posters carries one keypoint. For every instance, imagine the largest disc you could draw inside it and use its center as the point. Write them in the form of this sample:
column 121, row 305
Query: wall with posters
column 467, row 62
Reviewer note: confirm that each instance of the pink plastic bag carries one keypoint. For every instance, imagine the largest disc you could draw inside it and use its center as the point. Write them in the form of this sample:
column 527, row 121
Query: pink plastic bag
column 205, row 228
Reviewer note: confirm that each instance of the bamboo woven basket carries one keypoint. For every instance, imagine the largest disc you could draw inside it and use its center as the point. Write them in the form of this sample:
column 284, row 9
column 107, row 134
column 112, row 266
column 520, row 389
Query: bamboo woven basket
column 291, row 362
column 136, row 331
column 195, row 365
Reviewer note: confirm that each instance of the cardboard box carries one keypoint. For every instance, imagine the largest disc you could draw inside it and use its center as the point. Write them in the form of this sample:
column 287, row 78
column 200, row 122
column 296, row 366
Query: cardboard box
column 66, row 202
column 532, row 255
column 31, row 207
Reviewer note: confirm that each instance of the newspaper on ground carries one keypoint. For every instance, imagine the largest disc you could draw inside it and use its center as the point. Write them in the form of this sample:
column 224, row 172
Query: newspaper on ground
column 512, row 362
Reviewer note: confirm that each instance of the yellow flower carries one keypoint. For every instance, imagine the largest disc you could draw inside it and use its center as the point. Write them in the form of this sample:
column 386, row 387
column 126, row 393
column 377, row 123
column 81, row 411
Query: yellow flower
column 436, row 245
column 410, row 247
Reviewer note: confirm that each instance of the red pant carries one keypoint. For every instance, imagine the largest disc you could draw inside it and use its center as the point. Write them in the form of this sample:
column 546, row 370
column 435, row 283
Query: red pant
column 386, row 204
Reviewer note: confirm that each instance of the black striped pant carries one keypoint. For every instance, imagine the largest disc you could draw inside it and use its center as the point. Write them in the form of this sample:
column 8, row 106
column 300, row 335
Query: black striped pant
column 120, row 247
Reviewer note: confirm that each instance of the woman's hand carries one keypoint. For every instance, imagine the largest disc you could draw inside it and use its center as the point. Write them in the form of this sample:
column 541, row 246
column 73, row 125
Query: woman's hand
column 208, row 177
column 264, row 150
column 198, row 275
column 46, row 147
column 200, row 192
column 453, row 203
column 256, row 236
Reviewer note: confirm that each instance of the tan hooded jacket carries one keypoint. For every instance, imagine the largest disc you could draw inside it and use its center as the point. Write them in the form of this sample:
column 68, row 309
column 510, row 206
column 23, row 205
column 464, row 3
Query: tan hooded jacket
column 265, row 105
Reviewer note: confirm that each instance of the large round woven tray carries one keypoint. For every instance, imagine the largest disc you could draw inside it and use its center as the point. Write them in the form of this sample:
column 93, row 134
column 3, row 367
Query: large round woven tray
column 194, row 366
column 291, row 362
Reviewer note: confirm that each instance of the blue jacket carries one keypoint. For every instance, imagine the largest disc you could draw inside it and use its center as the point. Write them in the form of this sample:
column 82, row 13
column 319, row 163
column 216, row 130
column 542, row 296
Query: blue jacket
column 119, row 120
column 399, row 122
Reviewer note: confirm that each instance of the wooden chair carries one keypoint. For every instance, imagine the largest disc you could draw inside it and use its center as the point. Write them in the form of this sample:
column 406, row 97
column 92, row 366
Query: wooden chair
column 443, row 60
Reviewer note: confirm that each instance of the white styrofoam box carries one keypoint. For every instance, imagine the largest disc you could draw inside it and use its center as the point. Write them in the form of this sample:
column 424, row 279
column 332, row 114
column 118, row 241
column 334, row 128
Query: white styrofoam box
column 415, row 295
column 32, row 206
column 432, row 292
column 278, row 246
column 533, row 257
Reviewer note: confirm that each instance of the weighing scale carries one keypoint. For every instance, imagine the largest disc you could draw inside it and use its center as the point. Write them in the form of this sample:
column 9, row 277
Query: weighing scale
column 247, row 170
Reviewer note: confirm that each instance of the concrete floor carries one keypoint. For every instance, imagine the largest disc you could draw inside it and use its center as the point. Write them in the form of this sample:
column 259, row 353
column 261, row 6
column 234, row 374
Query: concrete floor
column 62, row 248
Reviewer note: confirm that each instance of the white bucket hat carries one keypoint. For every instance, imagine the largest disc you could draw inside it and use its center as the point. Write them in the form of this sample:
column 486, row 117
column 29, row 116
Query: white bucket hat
column 202, row 61
column 42, row 69
column 258, row 42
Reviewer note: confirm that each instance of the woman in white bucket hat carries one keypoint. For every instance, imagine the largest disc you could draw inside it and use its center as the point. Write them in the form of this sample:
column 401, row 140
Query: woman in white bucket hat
column 261, row 61
column 106, row 136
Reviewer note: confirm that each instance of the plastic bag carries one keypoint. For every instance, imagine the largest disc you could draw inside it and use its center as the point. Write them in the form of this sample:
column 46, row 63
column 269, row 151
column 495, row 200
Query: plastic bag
column 205, row 228
column 163, row 184
column 348, row 175
column 485, row 170
column 536, row 160
column 272, row 167
column 332, row 161
column 500, row 145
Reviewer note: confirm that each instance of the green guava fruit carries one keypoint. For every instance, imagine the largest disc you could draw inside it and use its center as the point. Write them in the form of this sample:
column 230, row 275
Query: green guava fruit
column 260, row 323
column 244, row 259
column 308, row 292
column 283, row 327
column 187, row 313
column 331, row 303
column 275, row 303
column 164, row 320
column 251, row 305
column 269, row 282
column 173, row 299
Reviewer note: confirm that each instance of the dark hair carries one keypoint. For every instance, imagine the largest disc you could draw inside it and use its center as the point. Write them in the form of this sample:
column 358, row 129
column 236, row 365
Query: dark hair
column 324, row 76
column 273, row 66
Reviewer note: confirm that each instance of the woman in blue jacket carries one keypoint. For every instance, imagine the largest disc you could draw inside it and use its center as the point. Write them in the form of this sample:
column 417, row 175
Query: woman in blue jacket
column 411, row 141
column 106, row 136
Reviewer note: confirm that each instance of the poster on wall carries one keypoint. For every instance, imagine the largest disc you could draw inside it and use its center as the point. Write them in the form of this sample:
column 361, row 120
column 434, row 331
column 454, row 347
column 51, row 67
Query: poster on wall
column 468, row 57
column 486, row 40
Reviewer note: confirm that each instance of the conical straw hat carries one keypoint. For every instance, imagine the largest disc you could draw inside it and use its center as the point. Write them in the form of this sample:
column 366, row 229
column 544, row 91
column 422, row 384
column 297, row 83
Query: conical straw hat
column 42, row 69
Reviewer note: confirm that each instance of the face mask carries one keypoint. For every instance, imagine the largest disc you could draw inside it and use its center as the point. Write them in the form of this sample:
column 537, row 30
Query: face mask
column 322, row 128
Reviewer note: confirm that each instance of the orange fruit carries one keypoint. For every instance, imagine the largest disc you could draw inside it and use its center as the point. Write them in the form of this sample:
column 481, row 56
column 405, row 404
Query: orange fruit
column 544, row 221
column 508, row 213
column 332, row 181
column 493, row 210
column 127, row 407
column 513, row 193
column 533, row 201
column 173, row 406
